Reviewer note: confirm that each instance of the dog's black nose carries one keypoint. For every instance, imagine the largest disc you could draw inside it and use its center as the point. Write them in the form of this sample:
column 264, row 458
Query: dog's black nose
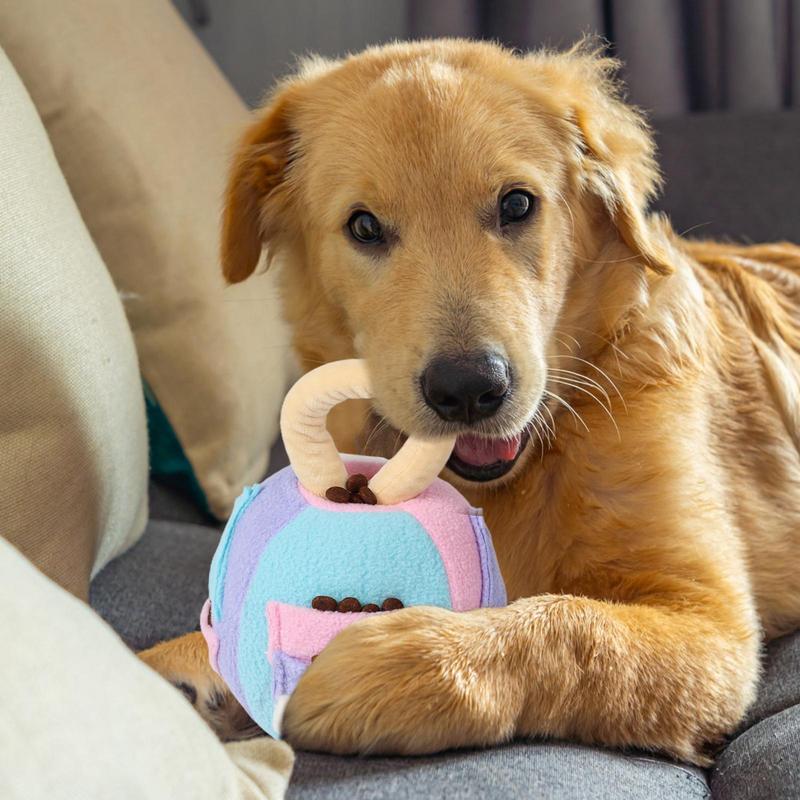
column 466, row 388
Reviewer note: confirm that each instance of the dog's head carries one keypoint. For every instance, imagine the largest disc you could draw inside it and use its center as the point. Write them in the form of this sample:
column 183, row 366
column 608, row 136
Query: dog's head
column 446, row 210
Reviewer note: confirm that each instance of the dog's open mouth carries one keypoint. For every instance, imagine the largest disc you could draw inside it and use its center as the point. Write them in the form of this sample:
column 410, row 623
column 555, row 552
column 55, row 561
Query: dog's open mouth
column 476, row 458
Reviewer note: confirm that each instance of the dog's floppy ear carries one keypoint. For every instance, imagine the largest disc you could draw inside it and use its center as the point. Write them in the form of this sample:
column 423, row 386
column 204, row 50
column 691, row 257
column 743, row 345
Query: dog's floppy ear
column 615, row 148
column 258, row 189
column 255, row 182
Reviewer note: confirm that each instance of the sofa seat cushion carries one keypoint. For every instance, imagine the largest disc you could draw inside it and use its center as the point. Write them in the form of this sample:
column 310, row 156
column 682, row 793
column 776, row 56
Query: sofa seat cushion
column 763, row 759
column 780, row 683
column 763, row 762
column 155, row 591
column 555, row 770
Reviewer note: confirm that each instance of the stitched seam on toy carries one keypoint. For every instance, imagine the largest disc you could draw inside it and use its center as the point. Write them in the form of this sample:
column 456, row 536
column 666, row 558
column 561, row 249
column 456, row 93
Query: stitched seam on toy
column 273, row 620
column 486, row 574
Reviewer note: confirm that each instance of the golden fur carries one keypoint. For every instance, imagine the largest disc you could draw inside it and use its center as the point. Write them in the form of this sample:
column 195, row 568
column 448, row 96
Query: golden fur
column 648, row 534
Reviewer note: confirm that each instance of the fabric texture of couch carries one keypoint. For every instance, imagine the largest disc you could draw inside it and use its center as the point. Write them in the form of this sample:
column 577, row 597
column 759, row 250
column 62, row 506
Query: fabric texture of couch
column 72, row 424
column 142, row 123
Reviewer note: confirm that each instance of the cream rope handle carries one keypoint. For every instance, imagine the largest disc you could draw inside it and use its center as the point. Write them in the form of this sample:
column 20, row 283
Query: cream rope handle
column 311, row 450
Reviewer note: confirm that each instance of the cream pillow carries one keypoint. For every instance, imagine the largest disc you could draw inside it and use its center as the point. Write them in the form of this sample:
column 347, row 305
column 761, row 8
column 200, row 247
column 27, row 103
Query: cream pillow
column 142, row 123
column 73, row 444
column 82, row 717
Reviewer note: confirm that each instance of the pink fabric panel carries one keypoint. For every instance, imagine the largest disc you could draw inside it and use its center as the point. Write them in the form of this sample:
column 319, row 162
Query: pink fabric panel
column 304, row 632
column 445, row 514
column 454, row 537
column 210, row 635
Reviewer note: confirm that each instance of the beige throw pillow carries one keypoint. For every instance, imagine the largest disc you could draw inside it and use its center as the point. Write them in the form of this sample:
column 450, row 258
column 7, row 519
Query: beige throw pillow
column 142, row 124
column 73, row 443
column 82, row 717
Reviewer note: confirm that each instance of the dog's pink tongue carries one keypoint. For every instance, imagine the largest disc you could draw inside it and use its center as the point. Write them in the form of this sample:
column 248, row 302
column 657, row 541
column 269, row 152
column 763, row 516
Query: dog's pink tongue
column 479, row 452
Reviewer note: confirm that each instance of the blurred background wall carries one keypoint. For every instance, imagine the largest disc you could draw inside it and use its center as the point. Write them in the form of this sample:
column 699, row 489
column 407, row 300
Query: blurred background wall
column 680, row 55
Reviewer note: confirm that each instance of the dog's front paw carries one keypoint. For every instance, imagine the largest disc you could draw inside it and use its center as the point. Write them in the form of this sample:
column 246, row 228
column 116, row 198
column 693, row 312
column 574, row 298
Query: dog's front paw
column 414, row 681
column 184, row 663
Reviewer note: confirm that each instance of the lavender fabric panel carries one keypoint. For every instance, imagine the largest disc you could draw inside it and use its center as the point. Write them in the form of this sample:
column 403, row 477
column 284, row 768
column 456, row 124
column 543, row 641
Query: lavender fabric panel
column 219, row 564
column 255, row 528
column 493, row 592
column 286, row 672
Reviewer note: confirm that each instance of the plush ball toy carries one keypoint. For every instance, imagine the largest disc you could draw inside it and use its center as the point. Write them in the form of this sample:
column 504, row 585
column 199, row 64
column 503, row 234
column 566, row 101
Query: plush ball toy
column 330, row 540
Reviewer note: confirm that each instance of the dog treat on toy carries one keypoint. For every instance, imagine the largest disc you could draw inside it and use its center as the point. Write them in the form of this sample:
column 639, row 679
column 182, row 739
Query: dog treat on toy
column 331, row 540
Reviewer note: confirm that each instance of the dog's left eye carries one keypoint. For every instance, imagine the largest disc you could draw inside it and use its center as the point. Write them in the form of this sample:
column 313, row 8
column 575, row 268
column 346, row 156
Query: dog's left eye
column 515, row 206
column 365, row 228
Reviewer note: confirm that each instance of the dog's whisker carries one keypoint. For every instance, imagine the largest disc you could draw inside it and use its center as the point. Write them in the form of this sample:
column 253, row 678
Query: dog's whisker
column 563, row 199
column 583, row 380
column 540, row 420
column 582, row 389
column 532, row 426
column 552, row 418
column 559, row 399
column 594, row 397
column 563, row 343
column 381, row 424
column 601, row 371
column 608, row 260
column 617, row 351
column 569, row 336
column 596, row 335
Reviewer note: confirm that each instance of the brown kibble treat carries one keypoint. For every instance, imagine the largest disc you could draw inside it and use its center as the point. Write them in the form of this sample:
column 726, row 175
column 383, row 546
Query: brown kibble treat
column 354, row 498
column 371, row 608
column 366, row 495
column 392, row 604
column 323, row 603
column 355, row 482
column 348, row 605
column 337, row 494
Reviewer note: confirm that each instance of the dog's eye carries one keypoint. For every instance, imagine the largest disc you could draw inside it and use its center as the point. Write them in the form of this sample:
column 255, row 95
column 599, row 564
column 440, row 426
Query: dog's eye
column 365, row 228
column 515, row 206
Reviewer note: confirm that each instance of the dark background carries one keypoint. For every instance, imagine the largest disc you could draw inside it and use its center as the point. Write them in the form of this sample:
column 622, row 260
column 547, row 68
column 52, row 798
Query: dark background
column 680, row 55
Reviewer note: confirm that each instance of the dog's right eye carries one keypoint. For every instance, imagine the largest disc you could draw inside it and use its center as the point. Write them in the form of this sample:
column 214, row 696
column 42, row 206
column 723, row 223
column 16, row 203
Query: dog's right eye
column 365, row 228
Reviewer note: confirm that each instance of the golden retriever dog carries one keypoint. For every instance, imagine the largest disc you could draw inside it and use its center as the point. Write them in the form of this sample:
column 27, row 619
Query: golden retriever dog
column 474, row 223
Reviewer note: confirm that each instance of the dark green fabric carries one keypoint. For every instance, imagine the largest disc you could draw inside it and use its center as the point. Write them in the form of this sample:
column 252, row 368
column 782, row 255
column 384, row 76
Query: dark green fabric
column 168, row 462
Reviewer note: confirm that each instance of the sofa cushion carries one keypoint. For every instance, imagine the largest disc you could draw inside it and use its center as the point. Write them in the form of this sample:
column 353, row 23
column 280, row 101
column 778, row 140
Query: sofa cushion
column 552, row 770
column 73, row 444
column 763, row 762
column 780, row 683
column 86, row 719
column 141, row 123
column 156, row 590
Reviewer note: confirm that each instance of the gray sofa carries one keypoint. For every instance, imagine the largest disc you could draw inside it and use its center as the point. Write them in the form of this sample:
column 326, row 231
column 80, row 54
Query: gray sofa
column 732, row 176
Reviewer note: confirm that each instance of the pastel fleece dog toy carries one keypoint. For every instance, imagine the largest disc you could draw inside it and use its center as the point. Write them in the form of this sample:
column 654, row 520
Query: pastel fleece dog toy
column 330, row 539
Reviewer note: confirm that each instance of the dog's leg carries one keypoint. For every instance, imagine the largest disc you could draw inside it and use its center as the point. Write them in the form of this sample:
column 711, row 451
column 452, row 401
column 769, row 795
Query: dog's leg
column 672, row 673
column 184, row 663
